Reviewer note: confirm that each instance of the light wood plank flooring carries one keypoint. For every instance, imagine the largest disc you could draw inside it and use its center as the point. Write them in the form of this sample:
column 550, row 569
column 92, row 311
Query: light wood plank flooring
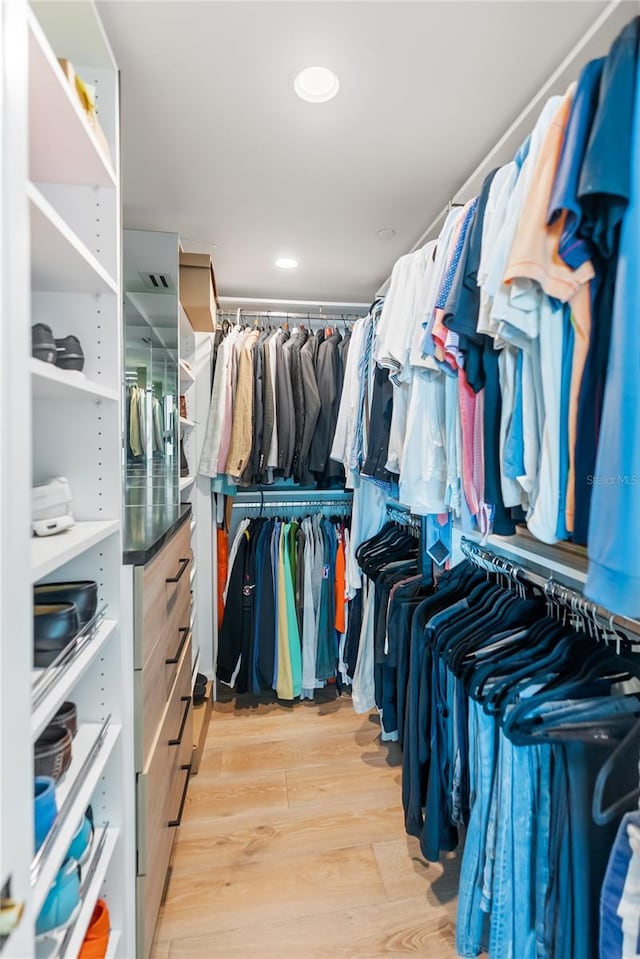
column 293, row 844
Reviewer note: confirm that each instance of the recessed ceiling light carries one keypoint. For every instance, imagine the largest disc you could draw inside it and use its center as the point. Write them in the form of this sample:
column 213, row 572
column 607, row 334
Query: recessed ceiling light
column 316, row 84
column 286, row 263
column 386, row 234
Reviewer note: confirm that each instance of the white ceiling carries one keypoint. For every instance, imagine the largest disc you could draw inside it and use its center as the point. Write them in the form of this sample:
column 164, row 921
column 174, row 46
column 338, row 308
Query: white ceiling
column 217, row 147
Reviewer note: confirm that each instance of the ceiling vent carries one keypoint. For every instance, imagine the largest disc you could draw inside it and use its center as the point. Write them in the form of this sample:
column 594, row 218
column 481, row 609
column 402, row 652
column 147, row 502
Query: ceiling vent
column 159, row 282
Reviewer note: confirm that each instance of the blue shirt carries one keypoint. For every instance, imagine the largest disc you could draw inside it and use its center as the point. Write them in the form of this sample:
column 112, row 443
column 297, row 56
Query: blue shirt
column 605, row 178
column 564, row 195
column 613, row 547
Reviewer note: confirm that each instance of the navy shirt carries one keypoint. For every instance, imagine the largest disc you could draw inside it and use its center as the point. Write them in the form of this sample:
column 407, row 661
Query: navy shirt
column 605, row 179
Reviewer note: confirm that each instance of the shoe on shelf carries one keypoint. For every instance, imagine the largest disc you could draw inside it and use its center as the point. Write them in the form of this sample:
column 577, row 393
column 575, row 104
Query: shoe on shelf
column 51, row 507
column 43, row 344
column 52, row 752
column 80, row 848
column 62, row 905
column 69, row 355
column 45, row 807
column 55, row 628
column 67, row 716
column 83, row 594
column 96, row 940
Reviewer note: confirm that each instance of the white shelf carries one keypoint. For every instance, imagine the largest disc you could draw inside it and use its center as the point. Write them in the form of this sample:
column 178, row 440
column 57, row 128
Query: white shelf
column 50, row 946
column 186, row 376
column 85, row 739
column 189, row 424
column 68, row 679
column 56, row 118
column 114, row 942
column 92, row 894
column 186, row 481
column 50, row 552
column 59, row 259
column 49, row 382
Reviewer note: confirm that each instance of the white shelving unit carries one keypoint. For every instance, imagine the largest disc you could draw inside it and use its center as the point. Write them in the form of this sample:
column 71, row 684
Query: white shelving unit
column 60, row 254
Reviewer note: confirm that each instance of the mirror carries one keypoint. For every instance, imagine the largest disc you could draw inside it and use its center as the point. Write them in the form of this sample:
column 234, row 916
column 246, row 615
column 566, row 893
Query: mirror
column 150, row 406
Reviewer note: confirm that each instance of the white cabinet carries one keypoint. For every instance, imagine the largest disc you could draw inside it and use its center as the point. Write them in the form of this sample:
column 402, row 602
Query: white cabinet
column 61, row 266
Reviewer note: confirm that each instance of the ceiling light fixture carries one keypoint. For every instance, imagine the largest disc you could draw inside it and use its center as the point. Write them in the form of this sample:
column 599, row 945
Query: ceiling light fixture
column 316, row 85
column 286, row 263
column 387, row 233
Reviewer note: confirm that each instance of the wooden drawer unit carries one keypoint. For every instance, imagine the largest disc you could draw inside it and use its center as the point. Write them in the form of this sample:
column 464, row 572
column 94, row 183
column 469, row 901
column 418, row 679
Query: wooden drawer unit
column 154, row 682
column 154, row 782
column 159, row 588
column 163, row 713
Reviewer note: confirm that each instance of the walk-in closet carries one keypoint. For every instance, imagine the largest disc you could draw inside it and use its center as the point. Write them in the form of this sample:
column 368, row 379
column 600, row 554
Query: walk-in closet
column 319, row 479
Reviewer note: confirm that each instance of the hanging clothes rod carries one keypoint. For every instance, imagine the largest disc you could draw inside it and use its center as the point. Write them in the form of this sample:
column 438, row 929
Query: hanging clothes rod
column 555, row 591
column 273, row 314
column 295, row 504
column 404, row 518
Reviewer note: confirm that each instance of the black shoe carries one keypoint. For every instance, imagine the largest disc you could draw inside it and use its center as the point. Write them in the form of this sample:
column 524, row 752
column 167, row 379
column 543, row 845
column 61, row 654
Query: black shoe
column 55, row 628
column 69, row 355
column 200, row 690
column 83, row 594
column 52, row 752
column 43, row 344
column 67, row 716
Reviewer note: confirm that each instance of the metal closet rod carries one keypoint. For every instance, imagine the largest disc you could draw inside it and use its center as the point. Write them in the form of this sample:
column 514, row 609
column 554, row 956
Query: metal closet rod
column 276, row 314
column 554, row 590
column 404, row 519
column 293, row 504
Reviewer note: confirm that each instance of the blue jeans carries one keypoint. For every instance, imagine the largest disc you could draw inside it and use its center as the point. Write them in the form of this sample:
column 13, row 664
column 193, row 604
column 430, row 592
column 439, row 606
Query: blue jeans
column 578, row 854
column 620, row 898
column 472, row 935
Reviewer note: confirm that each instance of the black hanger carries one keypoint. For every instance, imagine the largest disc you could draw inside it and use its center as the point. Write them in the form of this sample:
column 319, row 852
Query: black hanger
column 603, row 816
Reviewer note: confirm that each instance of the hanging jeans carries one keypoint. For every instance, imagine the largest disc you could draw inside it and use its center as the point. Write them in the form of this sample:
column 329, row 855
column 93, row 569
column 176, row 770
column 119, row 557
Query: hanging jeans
column 620, row 899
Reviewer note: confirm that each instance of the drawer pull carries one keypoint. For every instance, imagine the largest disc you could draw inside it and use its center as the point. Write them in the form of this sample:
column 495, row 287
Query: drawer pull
column 184, row 562
column 187, row 700
column 176, row 822
column 174, row 659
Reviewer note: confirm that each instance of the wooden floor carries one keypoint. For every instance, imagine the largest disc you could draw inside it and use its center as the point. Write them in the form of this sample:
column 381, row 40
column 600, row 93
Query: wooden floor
column 293, row 844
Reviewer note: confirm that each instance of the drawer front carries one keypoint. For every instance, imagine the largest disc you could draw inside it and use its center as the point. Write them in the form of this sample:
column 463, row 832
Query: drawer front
column 157, row 590
column 178, row 627
column 155, row 782
column 149, row 891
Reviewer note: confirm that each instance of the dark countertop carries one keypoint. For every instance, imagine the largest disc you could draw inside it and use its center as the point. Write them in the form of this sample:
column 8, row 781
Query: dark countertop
column 147, row 529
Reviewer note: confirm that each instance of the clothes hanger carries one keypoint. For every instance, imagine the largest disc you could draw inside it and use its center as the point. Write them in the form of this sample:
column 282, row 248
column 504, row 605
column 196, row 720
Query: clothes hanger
column 601, row 815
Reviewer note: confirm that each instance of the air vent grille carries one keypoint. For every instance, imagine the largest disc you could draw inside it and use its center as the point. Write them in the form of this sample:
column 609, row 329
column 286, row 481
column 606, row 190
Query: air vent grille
column 160, row 282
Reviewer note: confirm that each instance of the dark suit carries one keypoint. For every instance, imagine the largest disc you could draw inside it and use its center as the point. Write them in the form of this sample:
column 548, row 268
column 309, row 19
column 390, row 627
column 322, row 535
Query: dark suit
column 284, row 399
column 311, row 402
